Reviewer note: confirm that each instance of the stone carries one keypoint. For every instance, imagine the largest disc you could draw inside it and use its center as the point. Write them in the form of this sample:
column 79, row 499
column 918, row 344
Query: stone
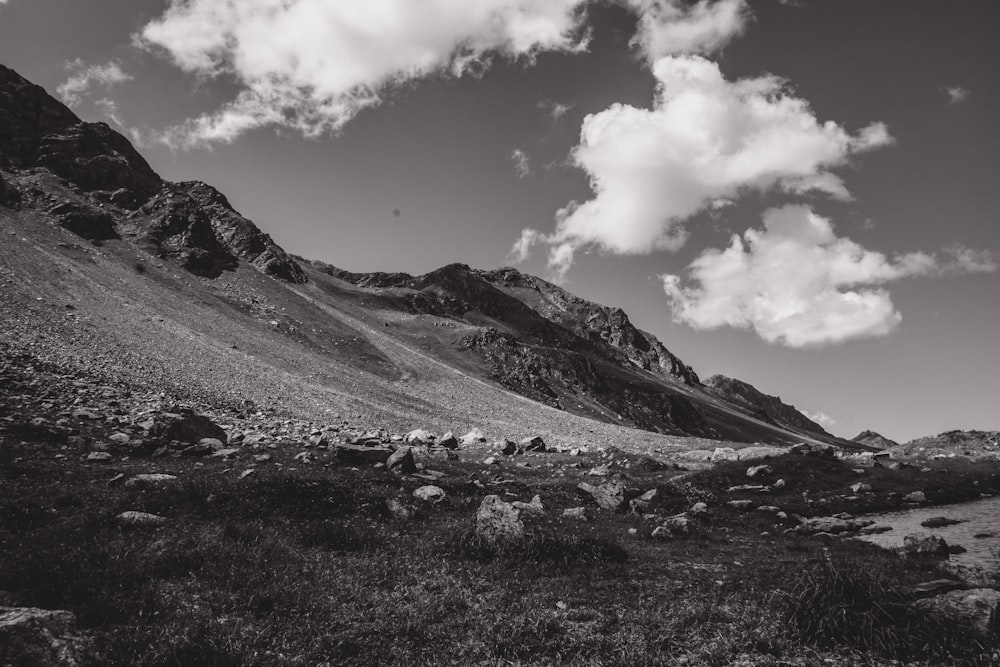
column 430, row 493
column 214, row 443
column 875, row 530
column 360, row 455
column 533, row 444
column 861, row 487
column 609, row 496
column 750, row 488
column 680, row 524
column 534, row 507
column 936, row 587
column 509, row 448
column 915, row 497
column 32, row 637
column 740, row 504
column 149, row 478
column 815, row 449
column 491, row 460
column 402, row 461
column 770, row 509
column 448, row 441
column 700, row 508
column 99, row 456
column 939, row 522
column 119, row 438
column 575, row 513
column 473, row 437
column 261, row 458
column 642, row 504
column 249, row 472
column 922, row 544
column 976, row 608
column 759, row 452
column 757, row 471
column 184, row 425
column 398, row 509
column 419, row 436
column 498, row 522
column 133, row 518
column 724, row 454
column 226, row 452
column 832, row 525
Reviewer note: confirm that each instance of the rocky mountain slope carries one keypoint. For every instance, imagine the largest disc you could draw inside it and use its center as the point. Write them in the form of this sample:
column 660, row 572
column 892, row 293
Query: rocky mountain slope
column 873, row 439
column 970, row 444
column 106, row 266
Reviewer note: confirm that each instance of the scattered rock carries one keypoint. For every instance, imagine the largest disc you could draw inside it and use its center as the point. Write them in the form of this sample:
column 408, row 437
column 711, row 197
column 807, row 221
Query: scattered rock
column 473, row 437
column 402, row 461
column 750, row 488
column 641, row 505
column 149, row 478
column 702, row 508
column 759, row 452
column 724, row 454
column 922, row 544
column 448, row 441
column 680, row 524
column 861, row 487
column 99, row 456
column 815, row 449
column 915, row 497
column 490, row 460
column 398, row 509
column 609, row 496
column 226, row 452
column 249, row 472
column 498, row 522
column 832, row 525
column 575, row 513
column 755, row 471
column 359, row 455
column 976, row 608
column 430, row 493
column 132, row 518
column 534, row 507
column 419, row 436
column 35, row 637
column 509, row 448
column 939, row 522
column 740, row 504
column 184, row 425
column 533, row 444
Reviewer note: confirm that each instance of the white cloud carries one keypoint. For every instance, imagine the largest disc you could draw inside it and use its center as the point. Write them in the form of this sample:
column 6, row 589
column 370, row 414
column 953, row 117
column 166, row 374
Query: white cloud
column 522, row 164
column 669, row 27
column 797, row 284
column 704, row 139
column 956, row 94
column 555, row 110
column 314, row 64
column 82, row 78
column 821, row 418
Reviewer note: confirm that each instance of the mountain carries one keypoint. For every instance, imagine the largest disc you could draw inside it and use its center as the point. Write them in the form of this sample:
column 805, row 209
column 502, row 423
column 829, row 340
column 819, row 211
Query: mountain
column 972, row 444
column 873, row 439
column 112, row 270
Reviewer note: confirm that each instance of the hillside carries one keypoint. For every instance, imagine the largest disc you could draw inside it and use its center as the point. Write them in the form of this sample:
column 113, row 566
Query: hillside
column 166, row 285
column 873, row 439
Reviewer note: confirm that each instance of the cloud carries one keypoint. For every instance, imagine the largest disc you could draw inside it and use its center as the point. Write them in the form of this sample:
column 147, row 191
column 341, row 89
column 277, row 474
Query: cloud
column 956, row 94
column 797, row 284
column 312, row 65
column 522, row 165
column 821, row 418
column 555, row 110
column 705, row 139
column 83, row 78
column 669, row 27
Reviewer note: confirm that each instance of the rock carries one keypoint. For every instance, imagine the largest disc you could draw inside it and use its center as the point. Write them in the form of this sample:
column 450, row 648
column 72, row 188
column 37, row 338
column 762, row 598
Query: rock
column 770, row 509
column 642, row 504
column 750, row 488
column 915, row 497
column 419, row 436
column 680, row 524
column 132, row 518
column 740, row 504
column 759, row 452
column 702, row 508
column 778, row 484
column 214, row 443
column 756, row 471
column 534, row 507
column 184, row 425
column 119, row 438
column 697, row 455
column 398, row 509
column 149, row 478
column 197, row 450
column 87, row 415
column 249, row 472
column 599, row 471
column 99, row 456
column 402, row 461
column 533, row 444
column 725, row 454
column 261, row 458
column 832, row 525
column 861, row 487
column 575, row 513
column 976, row 608
column 32, row 637
column 935, row 587
column 359, row 455
column 498, row 522
column 448, row 441
column 473, row 437
column 226, row 452
column 815, row 449
column 875, row 530
column 491, row 460
column 609, row 496
column 939, row 522
column 509, row 448
column 430, row 493
column 922, row 544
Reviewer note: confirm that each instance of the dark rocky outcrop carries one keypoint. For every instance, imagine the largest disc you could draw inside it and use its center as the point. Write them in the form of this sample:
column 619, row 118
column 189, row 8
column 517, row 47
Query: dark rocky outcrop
column 84, row 219
column 195, row 224
column 767, row 408
column 873, row 439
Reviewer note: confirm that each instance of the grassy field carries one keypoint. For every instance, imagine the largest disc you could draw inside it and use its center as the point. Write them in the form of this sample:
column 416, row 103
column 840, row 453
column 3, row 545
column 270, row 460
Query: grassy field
column 310, row 567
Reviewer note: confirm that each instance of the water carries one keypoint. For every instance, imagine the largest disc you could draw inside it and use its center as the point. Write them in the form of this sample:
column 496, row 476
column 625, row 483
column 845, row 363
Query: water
column 981, row 516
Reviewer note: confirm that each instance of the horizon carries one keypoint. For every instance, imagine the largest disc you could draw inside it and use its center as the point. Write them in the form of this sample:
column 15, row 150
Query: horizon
column 805, row 235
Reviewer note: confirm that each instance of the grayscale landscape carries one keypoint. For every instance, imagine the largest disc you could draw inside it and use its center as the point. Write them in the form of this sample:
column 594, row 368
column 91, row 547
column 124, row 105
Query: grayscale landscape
column 387, row 388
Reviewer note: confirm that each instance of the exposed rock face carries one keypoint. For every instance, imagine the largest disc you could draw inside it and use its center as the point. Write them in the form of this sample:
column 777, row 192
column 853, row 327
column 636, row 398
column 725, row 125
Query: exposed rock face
column 873, row 439
column 977, row 608
column 195, row 224
column 971, row 444
column 84, row 220
column 38, row 131
column 767, row 408
column 32, row 637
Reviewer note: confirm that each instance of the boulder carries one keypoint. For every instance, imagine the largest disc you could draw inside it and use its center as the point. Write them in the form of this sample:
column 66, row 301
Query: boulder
column 642, row 504
column 146, row 479
column 759, row 471
column 832, row 525
column 359, row 455
column 32, row 637
column 922, row 544
column 976, row 608
column 473, row 437
column 419, row 436
column 609, row 496
column 533, row 444
column 740, row 504
column 915, row 497
column 679, row 524
column 575, row 513
column 430, row 493
column 509, row 448
column 132, row 518
column 99, row 456
column 398, row 509
column 861, row 487
column 725, row 454
column 815, row 449
column 534, row 507
column 402, row 461
column 700, row 508
column 498, row 522
column 448, row 441
column 939, row 522
column 184, row 425
column 759, row 452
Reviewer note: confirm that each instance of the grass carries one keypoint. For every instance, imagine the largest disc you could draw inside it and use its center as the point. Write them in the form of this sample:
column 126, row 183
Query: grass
column 309, row 567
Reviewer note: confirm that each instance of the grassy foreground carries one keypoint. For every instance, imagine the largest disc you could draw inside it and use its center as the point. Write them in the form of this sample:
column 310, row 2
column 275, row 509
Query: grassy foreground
column 309, row 567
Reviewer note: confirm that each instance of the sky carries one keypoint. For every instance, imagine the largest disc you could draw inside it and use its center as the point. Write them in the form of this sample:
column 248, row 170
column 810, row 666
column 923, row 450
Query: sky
column 797, row 193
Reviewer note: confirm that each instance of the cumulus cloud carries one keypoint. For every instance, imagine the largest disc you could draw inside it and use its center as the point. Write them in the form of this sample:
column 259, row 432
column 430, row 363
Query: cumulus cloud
column 797, row 284
column 522, row 164
column 704, row 140
column 83, row 78
column 555, row 110
column 821, row 418
column 671, row 27
column 956, row 94
column 314, row 64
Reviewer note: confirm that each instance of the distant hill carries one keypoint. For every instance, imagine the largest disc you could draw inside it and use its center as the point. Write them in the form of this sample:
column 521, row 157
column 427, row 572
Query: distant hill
column 972, row 444
column 873, row 439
